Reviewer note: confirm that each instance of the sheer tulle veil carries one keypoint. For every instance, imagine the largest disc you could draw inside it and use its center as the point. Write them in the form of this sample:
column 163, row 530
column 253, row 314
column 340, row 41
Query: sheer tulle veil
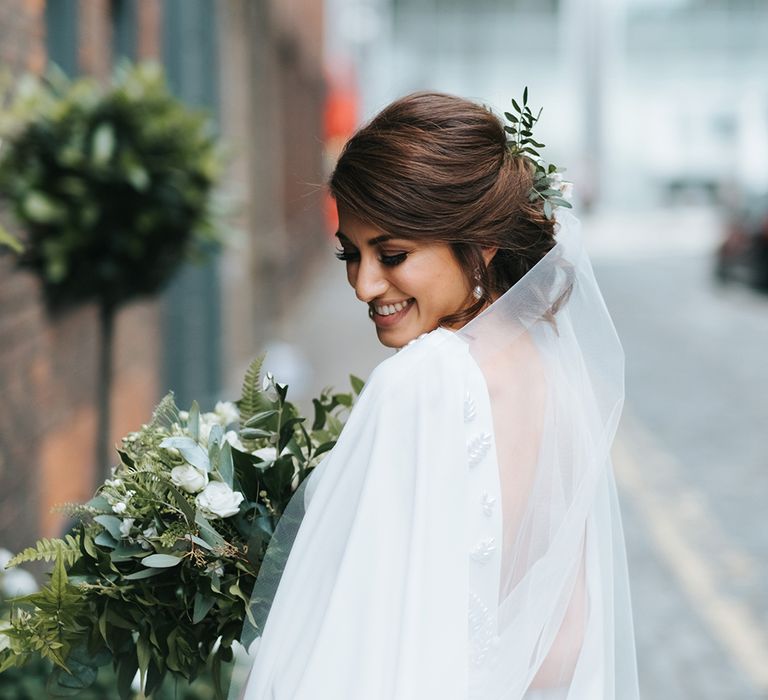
column 463, row 538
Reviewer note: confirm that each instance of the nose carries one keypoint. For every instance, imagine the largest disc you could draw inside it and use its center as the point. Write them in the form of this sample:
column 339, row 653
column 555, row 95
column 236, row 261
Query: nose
column 368, row 280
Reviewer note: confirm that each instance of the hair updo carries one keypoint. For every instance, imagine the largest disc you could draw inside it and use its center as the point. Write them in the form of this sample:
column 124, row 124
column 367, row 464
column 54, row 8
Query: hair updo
column 435, row 167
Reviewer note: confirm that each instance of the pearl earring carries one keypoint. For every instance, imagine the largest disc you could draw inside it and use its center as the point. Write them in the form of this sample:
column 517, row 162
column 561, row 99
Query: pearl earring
column 478, row 291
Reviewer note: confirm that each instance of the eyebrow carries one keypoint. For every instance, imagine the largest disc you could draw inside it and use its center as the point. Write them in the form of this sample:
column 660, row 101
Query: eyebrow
column 372, row 242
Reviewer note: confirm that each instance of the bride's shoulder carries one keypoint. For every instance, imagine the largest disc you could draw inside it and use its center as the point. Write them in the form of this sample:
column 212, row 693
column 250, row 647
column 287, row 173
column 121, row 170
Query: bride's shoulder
column 433, row 356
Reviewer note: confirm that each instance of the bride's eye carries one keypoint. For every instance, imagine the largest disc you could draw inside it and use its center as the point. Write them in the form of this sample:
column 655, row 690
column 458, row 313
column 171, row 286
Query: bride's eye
column 346, row 255
column 392, row 260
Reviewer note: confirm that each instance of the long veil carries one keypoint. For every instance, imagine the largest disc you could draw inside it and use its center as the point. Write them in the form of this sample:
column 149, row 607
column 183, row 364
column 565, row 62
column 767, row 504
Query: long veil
column 463, row 538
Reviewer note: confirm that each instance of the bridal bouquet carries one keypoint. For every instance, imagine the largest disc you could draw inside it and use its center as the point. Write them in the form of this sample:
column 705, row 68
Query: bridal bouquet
column 157, row 575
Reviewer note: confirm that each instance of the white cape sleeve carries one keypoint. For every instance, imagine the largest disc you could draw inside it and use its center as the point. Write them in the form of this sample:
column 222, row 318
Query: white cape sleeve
column 373, row 600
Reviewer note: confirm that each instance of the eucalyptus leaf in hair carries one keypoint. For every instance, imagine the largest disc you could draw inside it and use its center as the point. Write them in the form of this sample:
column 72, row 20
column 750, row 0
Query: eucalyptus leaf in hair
column 548, row 184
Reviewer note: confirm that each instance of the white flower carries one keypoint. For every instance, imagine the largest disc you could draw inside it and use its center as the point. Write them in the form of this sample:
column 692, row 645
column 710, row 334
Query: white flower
column 555, row 181
column 119, row 507
column 217, row 500
column 268, row 454
column 232, row 438
column 5, row 642
column 14, row 581
column 227, row 412
column 125, row 526
column 150, row 532
column 567, row 190
column 189, row 478
column 267, row 381
column 184, row 415
column 207, row 421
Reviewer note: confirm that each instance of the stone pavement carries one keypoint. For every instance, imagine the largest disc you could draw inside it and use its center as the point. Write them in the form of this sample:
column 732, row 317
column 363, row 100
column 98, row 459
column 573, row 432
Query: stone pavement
column 691, row 453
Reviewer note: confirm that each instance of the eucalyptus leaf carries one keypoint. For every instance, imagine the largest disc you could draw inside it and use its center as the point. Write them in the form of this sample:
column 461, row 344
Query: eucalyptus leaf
column 226, row 466
column 193, row 453
column 111, row 524
column 147, row 573
column 193, row 421
column 161, row 561
column 203, row 605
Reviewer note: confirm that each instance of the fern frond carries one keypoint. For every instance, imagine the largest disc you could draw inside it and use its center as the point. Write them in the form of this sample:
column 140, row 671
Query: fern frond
column 47, row 550
column 249, row 397
column 166, row 413
column 78, row 511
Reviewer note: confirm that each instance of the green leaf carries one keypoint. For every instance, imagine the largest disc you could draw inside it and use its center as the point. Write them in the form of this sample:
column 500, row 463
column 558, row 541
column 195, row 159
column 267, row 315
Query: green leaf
column 516, row 106
column 161, row 561
column 41, row 209
column 259, row 417
column 184, row 505
column 254, row 433
column 144, row 654
column 208, row 532
column 319, row 421
column 193, row 421
column 47, row 550
column 203, row 605
column 357, row 383
column 104, row 539
column 547, row 209
column 147, row 573
column 127, row 665
column 249, row 403
column 6, row 239
column 193, row 453
column 103, row 144
column 226, row 466
column 525, row 95
column 111, row 524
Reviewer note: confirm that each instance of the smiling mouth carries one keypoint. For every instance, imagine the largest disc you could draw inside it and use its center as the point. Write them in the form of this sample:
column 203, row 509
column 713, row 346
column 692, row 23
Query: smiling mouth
column 391, row 309
column 390, row 314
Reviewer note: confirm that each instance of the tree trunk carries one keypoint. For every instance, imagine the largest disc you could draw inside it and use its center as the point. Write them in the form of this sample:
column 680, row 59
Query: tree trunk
column 104, row 391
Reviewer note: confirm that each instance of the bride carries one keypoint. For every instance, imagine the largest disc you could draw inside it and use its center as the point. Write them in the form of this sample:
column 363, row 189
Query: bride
column 462, row 539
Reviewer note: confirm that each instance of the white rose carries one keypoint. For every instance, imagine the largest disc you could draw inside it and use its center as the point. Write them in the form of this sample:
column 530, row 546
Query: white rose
column 232, row 438
column 207, row 421
column 189, row 478
column 217, row 500
column 555, row 180
column 125, row 526
column 227, row 412
column 268, row 454
column 119, row 507
column 18, row 582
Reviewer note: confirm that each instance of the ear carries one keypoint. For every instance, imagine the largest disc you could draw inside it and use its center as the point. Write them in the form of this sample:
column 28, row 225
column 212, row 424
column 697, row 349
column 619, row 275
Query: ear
column 488, row 254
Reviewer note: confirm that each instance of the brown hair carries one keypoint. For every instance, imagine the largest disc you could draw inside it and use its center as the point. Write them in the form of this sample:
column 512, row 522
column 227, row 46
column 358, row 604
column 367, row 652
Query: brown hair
column 435, row 167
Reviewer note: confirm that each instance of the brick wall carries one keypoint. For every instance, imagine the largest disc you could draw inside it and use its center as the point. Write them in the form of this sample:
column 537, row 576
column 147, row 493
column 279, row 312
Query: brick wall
column 48, row 364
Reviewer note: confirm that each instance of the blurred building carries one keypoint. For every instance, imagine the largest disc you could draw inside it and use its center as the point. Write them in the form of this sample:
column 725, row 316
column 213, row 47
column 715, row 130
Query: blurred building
column 258, row 68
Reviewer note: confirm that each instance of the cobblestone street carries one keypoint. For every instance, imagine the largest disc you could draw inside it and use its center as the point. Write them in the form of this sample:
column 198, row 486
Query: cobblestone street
column 691, row 455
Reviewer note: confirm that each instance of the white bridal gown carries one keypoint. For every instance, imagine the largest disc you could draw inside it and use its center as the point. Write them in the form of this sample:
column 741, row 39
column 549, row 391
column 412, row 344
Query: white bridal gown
column 462, row 539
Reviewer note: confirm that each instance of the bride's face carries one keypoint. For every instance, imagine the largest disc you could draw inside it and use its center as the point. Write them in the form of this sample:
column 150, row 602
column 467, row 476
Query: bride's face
column 409, row 285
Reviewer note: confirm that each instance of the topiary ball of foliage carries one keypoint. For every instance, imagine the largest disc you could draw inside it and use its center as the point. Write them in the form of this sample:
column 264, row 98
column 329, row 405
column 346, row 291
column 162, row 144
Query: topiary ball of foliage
column 112, row 186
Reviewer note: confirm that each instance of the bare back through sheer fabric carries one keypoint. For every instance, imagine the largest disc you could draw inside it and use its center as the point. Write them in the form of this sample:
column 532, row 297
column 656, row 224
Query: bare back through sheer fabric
column 463, row 539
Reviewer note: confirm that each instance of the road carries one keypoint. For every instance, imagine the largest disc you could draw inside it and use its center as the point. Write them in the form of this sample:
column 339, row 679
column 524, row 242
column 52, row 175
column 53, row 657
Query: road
column 692, row 453
column 691, row 459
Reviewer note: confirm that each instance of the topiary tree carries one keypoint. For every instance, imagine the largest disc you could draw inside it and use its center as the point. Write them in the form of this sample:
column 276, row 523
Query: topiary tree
column 113, row 189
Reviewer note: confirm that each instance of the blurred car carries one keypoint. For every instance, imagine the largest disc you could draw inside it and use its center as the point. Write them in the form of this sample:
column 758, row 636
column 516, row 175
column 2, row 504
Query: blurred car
column 743, row 254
